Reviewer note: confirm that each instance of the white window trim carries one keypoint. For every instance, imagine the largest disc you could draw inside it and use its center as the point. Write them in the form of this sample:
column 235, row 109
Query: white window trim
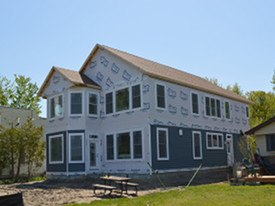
column 62, row 141
column 49, row 104
column 216, row 98
column 131, row 145
column 82, row 112
column 167, row 143
column 229, row 110
column 130, row 100
column 82, row 146
column 88, row 104
column 217, row 147
column 156, row 96
column 191, row 102
column 193, row 143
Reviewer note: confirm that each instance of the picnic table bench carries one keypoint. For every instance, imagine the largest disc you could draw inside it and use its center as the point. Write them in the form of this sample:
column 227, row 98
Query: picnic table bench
column 128, row 184
column 105, row 187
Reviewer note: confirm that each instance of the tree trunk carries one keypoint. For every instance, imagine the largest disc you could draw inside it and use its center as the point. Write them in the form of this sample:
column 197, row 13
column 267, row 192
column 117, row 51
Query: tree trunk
column 18, row 165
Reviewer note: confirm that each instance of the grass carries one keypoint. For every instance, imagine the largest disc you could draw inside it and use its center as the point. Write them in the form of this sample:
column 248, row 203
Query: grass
column 215, row 194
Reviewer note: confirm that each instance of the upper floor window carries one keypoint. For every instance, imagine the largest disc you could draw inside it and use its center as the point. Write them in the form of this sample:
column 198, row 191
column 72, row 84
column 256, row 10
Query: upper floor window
column 76, row 103
column 92, row 104
column 162, row 144
column 197, row 146
column 195, row 103
column 214, row 141
column 212, row 107
column 227, row 110
column 124, row 99
column 247, row 111
column 109, row 103
column 160, row 96
column 56, row 106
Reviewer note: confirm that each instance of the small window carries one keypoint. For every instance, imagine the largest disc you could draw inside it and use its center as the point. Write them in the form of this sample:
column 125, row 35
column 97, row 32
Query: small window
column 110, row 147
column 109, row 103
column 214, row 140
column 56, row 106
column 56, row 149
column 137, row 139
column 123, row 146
column 213, row 107
column 76, row 147
column 227, row 110
column 93, row 104
column 161, row 97
column 162, row 144
column 197, row 147
column 195, row 103
column 207, row 106
column 218, row 106
column 76, row 103
column 247, row 111
column 122, row 99
column 270, row 142
column 136, row 97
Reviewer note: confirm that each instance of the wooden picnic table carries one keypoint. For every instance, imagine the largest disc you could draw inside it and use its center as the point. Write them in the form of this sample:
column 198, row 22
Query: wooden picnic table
column 111, row 179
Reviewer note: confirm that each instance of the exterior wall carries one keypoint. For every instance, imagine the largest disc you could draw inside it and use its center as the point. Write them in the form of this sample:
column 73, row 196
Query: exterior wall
column 261, row 138
column 10, row 117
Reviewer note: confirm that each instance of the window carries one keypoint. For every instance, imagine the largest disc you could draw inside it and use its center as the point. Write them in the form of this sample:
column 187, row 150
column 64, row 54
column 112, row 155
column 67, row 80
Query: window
column 212, row 107
column 125, row 99
column 270, row 142
column 56, row 106
column 122, row 99
column 137, row 136
column 162, row 144
column 214, row 141
column 197, row 147
column 110, row 147
column 76, row 103
column 56, row 149
column 93, row 104
column 160, row 97
column 247, row 111
column 76, row 148
column 123, row 146
column 227, row 110
column 136, row 97
column 109, row 103
column 195, row 103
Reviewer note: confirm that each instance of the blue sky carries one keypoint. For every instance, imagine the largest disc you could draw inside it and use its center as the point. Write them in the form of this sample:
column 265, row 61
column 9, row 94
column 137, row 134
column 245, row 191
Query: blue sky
column 233, row 41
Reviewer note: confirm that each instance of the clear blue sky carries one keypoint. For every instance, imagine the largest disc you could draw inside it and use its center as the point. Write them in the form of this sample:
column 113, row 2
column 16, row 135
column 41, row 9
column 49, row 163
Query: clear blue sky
column 231, row 40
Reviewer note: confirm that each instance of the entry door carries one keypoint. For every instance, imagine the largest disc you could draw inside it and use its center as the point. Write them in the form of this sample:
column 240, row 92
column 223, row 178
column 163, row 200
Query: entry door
column 94, row 154
column 230, row 150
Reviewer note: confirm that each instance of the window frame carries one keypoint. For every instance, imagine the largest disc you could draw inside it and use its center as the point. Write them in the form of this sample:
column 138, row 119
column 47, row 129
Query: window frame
column 115, row 152
column 191, row 100
column 218, row 141
column 156, row 96
column 269, row 149
column 167, row 144
column 50, row 106
column 229, row 110
column 82, row 104
column 82, row 148
column 193, row 145
column 62, row 150
column 88, row 104
column 217, row 109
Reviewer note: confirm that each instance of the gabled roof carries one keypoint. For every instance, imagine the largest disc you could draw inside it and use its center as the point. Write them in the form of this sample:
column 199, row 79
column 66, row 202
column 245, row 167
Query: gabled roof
column 74, row 77
column 260, row 126
column 166, row 73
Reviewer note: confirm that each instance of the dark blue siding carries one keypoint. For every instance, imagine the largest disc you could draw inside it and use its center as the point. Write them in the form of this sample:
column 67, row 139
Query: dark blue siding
column 181, row 150
column 56, row 167
column 77, row 167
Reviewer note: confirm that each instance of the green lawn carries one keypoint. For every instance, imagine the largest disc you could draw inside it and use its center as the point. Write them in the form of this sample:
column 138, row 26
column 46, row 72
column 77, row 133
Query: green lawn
column 216, row 194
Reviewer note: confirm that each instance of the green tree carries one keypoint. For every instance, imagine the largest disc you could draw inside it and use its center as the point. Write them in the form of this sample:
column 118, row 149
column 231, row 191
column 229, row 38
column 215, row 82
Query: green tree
column 273, row 80
column 25, row 94
column 263, row 107
column 214, row 81
column 236, row 88
column 5, row 91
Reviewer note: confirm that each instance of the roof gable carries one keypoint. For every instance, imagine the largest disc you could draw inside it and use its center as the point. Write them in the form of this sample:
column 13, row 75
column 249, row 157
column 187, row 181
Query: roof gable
column 261, row 126
column 166, row 73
